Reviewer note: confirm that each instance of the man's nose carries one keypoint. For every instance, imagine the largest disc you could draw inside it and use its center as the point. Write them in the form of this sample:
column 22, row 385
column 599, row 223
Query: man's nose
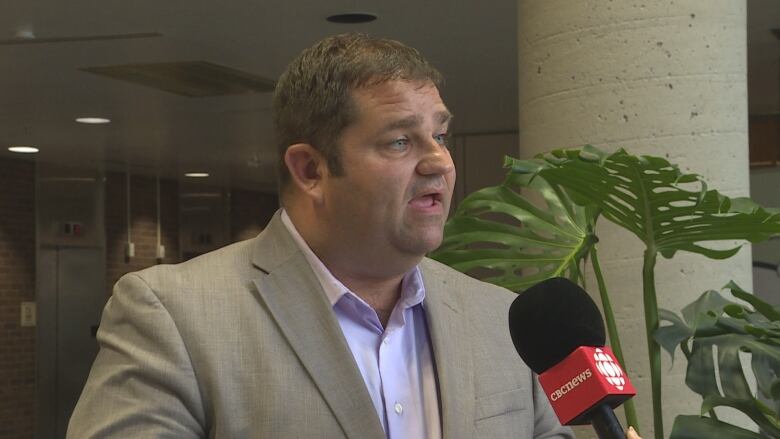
column 436, row 160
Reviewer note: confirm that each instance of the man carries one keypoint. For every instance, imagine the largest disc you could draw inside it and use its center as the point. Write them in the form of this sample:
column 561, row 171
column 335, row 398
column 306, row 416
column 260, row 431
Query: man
column 331, row 323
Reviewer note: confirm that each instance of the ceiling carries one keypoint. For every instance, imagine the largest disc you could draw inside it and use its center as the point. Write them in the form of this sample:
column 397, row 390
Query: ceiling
column 43, row 87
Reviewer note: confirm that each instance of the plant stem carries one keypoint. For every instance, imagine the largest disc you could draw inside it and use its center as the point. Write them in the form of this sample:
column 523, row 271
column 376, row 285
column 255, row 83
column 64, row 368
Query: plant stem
column 651, row 325
column 614, row 337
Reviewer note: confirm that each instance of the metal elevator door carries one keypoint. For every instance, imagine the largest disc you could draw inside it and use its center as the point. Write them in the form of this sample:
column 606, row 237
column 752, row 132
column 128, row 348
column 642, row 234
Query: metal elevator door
column 71, row 296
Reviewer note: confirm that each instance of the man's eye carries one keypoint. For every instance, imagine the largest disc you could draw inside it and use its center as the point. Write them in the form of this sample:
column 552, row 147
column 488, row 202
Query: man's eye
column 400, row 144
column 441, row 139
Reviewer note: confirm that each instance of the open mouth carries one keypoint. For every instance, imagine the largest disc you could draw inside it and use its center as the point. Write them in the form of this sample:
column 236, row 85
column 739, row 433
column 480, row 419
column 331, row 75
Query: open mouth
column 427, row 200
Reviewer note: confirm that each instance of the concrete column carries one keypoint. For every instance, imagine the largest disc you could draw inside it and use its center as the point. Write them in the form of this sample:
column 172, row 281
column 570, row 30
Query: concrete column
column 664, row 78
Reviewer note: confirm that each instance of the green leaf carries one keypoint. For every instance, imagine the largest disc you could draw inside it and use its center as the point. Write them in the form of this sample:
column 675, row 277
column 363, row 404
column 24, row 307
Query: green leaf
column 730, row 329
column 775, row 394
column 764, row 308
column 668, row 210
column 671, row 336
column 749, row 407
column 496, row 234
column 698, row 427
column 732, row 378
column 765, row 374
column 700, row 375
column 702, row 314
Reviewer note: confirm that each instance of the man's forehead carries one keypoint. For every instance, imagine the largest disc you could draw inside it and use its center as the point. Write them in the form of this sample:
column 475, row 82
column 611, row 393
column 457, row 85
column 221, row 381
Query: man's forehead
column 395, row 93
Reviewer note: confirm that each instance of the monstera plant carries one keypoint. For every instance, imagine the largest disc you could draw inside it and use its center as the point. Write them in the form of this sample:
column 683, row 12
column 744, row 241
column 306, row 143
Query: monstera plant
column 715, row 328
column 502, row 236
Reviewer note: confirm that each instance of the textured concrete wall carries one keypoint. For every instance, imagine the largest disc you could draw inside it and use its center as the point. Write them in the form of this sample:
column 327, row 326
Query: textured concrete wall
column 665, row 78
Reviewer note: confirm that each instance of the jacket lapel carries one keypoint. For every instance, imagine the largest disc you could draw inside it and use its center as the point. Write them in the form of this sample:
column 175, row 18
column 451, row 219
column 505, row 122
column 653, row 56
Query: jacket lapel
column 451, row 340
column 295, row 299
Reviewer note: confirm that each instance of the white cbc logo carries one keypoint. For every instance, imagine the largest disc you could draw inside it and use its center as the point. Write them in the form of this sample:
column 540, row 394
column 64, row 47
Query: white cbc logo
column 609, row 369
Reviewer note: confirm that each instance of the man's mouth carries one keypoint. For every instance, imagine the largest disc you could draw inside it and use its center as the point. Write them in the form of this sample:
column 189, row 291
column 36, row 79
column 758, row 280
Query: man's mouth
column 426, row 200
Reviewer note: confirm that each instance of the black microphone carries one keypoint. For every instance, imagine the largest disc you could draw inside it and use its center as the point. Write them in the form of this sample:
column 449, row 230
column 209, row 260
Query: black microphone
column 558, row 331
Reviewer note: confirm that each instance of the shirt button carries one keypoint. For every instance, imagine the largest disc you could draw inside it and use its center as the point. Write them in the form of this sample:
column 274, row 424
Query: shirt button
column 399, row 408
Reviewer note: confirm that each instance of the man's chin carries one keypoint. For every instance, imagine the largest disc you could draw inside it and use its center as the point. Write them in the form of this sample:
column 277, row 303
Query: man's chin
column 422, row 245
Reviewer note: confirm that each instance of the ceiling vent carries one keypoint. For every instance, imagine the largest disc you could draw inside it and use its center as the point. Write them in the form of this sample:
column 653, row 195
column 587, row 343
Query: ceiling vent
column 188, row 78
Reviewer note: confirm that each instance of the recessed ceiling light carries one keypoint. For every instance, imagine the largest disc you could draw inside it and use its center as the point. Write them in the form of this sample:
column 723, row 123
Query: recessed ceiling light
column 23, row 149
column 197, row 174
column 352, row 18
column 92, row 120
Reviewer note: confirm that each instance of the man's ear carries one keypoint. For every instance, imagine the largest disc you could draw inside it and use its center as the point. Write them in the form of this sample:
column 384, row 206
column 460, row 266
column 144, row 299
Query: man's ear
column 307, row 167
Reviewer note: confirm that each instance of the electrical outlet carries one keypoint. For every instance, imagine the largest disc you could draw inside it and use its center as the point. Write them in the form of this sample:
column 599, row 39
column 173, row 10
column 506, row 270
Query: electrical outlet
column 28, row 314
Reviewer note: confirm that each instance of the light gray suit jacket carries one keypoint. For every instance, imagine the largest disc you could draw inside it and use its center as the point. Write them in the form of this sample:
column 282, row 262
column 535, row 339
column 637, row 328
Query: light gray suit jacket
column 242, row 343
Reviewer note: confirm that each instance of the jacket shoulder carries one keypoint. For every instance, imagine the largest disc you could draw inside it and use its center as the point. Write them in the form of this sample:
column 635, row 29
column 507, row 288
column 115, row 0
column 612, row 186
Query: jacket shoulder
column 210, row 271
column 473, row 289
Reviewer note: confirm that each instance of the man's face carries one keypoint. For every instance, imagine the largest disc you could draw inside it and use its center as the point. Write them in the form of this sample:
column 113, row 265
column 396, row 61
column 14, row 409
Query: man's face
column 395, row 193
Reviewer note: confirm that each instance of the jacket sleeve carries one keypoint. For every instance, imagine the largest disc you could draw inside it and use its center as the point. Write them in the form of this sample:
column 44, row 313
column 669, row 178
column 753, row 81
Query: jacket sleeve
column 546, row 424
column 142, row 383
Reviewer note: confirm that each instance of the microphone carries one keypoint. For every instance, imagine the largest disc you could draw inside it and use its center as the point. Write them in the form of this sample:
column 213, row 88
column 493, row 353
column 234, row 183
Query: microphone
column 558, row 331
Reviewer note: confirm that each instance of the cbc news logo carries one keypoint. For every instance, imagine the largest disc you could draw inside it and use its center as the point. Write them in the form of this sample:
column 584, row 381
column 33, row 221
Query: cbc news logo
column 609, row 369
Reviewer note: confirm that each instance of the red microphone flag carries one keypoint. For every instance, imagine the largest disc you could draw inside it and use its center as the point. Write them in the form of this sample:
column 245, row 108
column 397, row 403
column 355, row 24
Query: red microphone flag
column 586, row 378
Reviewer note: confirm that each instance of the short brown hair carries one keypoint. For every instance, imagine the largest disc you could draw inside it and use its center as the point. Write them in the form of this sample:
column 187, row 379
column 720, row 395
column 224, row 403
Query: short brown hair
column 312, row 101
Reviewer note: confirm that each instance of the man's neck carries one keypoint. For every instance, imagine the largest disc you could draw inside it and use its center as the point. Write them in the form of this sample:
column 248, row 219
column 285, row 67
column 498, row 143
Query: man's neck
column 378, row 287
column 381, row 294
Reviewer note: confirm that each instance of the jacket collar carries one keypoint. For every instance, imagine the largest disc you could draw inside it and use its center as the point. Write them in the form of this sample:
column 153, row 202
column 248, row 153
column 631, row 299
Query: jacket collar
column 451, row 338
column 294, row 297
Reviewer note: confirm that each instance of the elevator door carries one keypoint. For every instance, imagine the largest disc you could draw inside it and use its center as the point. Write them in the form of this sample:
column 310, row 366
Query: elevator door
column 70, row 299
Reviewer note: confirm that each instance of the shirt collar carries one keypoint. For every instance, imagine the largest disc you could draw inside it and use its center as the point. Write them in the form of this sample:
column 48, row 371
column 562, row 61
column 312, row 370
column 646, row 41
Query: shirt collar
column 412, row 287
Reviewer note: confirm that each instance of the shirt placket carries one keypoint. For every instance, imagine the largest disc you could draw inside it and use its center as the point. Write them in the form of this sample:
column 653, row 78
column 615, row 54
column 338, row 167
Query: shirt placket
column 396, row 384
